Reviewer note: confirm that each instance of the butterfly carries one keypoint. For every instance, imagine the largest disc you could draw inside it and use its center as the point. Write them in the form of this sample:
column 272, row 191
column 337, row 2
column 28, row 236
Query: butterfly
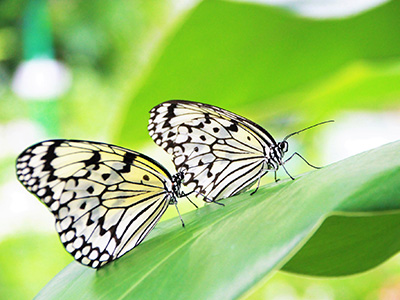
column 105, row 199
column 220, row 152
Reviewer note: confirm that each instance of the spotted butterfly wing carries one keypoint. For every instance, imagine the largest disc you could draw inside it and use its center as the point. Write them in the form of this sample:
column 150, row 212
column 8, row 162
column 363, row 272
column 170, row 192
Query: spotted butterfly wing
column 105, row 199
column 221, row 153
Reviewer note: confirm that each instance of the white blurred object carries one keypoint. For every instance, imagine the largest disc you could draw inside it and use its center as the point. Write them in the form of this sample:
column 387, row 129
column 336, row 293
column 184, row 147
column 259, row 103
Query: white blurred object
column 322, row 9
column 17, row 135
column 41, row 79
column 356, row 132
column 21, row 211
column 280, row 290
column 319, row 292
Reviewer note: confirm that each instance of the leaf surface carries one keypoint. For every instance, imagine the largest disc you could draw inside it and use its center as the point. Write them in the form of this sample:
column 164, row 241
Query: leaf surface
column 223, row 251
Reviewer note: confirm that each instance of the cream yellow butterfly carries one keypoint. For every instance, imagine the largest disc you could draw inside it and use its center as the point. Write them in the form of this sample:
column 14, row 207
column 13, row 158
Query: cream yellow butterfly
column 105, row 199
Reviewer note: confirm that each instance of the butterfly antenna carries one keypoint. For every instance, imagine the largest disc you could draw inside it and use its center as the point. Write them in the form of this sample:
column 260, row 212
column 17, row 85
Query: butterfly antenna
column 176, row 206
column 297, row 132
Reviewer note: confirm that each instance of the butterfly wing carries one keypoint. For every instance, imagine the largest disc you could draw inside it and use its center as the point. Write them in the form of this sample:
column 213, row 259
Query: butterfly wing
column 220, row 152
column 105, row 199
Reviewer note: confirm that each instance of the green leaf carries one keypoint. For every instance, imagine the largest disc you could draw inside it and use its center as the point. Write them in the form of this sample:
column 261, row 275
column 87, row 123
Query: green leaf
column 224, row 251
column 346, row 245
column 237, row 55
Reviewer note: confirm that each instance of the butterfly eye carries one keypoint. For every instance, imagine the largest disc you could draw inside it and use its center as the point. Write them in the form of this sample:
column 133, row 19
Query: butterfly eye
column 284, row 146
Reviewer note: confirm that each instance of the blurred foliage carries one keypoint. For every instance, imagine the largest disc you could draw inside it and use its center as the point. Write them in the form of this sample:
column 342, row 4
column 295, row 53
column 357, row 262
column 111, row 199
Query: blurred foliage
column 278, row 68
column 381, row 283
column 24, row 264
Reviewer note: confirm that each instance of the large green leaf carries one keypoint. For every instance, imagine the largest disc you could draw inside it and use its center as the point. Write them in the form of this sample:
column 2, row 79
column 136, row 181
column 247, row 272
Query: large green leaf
column 246, row 56
column 224, row 251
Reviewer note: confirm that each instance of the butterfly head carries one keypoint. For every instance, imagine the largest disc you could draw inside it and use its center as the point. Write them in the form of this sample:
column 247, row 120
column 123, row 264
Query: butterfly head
column 282, row 148
column 177, row 183
column 276, row 154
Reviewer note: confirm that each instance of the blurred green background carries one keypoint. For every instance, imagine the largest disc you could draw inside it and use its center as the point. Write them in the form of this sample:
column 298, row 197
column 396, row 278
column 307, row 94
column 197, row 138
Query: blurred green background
column 93, row 70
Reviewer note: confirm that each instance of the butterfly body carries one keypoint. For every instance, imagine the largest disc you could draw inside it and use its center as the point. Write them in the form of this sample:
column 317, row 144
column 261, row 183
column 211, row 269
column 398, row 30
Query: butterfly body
column 105, row 198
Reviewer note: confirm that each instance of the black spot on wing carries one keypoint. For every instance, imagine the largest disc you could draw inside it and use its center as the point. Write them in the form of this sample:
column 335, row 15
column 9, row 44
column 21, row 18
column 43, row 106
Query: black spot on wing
column 199, row 126
column 89, row 221
column 48, row 158
column 94, row 160
column 170, row 111
column 166, row 124
column 128, row 160
column 170, row 144
column 233, row 127
column 51, row 177
column 100, row 223
column 169, row 115
column 113, row 230
column 207, row 117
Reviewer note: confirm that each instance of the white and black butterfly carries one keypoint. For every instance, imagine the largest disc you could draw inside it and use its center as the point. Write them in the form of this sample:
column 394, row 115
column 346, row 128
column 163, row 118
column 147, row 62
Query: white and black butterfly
column 220, row 152
column 105, row 199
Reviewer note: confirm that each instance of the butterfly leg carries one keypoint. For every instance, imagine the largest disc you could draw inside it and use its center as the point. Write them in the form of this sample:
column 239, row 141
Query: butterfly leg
column 259, row 179
column 176, row 206
column 219, row 203
column 291, row 177
column 258, row 185
column 186, row 195
column 211, row 201
column 276, row 179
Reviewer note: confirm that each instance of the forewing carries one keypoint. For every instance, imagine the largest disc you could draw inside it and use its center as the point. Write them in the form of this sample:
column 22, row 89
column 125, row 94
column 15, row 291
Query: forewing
column 105, row 199
column 220, row 152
